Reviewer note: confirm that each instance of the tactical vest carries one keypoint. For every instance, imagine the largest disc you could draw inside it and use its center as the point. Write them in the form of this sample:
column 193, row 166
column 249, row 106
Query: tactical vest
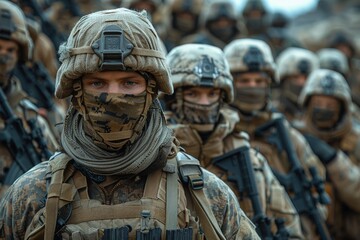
column 70, row 213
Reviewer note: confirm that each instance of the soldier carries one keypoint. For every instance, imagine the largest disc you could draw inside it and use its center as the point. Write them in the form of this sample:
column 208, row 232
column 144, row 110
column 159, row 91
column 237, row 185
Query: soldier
column 15, row 46
column 157, row 12
column 326, row 100
column 253, row 69
column 277, row 35
column 293, row 67
column 184, row 21
column 119, row 163
column 204, row 125
column 255, row 16
column 219, row 25
column 334, row 59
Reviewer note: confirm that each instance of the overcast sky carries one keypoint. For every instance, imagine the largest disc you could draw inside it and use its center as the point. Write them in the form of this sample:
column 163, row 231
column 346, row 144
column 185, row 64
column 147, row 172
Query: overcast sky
column 290, row 7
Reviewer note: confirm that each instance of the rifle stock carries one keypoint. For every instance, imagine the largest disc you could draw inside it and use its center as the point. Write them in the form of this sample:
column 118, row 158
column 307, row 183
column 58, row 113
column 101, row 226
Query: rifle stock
column 237, row 163
column 296, row 180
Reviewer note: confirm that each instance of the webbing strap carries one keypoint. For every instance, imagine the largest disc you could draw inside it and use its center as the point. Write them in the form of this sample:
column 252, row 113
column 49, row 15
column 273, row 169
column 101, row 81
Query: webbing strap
column 171, row 194
column 54, row 192
column 136, row 51
column 207, row 218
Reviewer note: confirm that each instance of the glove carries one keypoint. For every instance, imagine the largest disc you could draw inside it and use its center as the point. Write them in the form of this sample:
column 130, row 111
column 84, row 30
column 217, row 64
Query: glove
column 324, row 151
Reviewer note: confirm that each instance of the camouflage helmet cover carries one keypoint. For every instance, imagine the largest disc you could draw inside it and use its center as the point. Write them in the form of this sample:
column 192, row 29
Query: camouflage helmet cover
column 250, row 55
column 200, row 65
column 326, row 82
column 13, row 27
column 333, row 59
column 216, row 9
column 294, row 61
column 138, row 48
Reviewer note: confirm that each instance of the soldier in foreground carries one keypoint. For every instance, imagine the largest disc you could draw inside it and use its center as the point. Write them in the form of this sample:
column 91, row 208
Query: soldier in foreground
column 25, row 137
column 204, row 126
column 118, row 169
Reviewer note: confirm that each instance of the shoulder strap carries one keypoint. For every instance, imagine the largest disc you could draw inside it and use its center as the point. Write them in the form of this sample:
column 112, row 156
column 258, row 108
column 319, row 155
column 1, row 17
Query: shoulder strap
column 191, row 175
column 56, row 190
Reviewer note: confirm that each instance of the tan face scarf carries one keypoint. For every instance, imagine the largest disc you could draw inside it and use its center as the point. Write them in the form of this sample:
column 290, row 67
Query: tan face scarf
column 114, row 119
column 150, row 150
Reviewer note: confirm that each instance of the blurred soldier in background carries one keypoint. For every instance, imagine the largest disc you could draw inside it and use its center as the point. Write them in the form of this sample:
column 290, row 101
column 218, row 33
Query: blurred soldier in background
column 184, row 21
column 334, row 59
column 326, row 100
column 204, row 127
column 157, row 13
column 63, row 14
column 256, row 18
column 219, row 24
column 253, row 70
column 25, row 137
column 277, row 35
column 293, row 67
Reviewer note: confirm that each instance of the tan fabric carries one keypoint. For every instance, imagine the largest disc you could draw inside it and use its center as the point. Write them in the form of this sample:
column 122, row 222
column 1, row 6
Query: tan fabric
column 82, row 148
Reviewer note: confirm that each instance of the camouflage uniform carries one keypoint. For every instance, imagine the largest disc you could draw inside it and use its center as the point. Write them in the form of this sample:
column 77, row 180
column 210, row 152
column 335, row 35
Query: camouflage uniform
column 344, row 136
column 249, row 55
column 221, row 139
column 292, row 62
column 212, row 12
column 19, row 102
column 131, row 185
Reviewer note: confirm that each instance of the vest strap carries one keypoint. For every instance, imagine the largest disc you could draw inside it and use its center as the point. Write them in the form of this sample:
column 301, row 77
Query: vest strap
column 171, row 194
column 56, row 189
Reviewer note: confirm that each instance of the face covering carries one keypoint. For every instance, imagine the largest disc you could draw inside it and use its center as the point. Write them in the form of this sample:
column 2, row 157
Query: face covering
column 224, row 33
column 203, row 116
column 292, row 91
column 115, row 117
column 324, row 118
column 7, row 64
column 250, row 99
column 185, row 25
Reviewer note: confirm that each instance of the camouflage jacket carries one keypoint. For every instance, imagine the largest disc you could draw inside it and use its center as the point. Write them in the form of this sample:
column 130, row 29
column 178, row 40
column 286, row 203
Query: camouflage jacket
column 28, row 194
column 25, row 110
column 274, row 199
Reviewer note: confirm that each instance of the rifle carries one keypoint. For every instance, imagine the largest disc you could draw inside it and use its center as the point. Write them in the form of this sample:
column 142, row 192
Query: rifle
column 19, row 143
column 296, row 180
column 37, row 83
column 237, row 163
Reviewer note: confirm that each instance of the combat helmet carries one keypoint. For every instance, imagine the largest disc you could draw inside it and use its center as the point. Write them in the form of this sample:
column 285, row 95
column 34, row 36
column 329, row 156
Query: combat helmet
column 117, row 39
column 326, row 82
column 250, row 55
column 13, row 27
column 295, row 61
column 333, row 59
column 200, row 65
column 217, row 9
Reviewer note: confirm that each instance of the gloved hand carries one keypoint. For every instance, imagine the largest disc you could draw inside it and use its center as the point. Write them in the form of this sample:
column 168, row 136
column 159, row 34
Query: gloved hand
column 324, row 151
